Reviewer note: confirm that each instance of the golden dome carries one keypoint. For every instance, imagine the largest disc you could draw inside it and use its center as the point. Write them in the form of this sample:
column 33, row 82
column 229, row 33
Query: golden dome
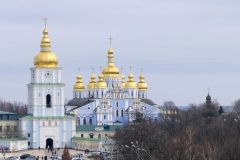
column 79, row 85
column 45, row 58
column 131, row 84
column 110, row 70
column 142, row 85
column 123, row 81
column 101, row 84
column 92, row 83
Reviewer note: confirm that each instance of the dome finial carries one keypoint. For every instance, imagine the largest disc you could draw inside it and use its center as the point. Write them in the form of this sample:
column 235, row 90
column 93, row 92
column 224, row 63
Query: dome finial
column 45, row 58
column 110, row 70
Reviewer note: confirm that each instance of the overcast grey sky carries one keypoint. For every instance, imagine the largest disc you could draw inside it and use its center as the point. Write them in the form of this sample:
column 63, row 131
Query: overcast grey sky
column 184, row 46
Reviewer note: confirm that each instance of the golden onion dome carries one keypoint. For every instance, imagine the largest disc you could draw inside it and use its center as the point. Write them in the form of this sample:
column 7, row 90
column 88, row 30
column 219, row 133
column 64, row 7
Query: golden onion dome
column 101, row 84
column 79, row 85
column 45, row 58
column 131, row 84
column 123, row 81
column 92, row 83
column 110, row 70
column 142, row 85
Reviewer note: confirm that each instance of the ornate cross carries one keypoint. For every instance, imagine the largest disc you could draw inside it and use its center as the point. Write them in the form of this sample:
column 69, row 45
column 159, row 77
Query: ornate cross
column 45, row 22
column 110, row 40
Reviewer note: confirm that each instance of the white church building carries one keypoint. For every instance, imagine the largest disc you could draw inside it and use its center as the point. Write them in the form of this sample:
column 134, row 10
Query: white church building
column 91, row 117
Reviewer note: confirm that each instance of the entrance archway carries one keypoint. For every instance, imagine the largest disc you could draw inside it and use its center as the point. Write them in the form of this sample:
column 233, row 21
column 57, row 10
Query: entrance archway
column 49, row 143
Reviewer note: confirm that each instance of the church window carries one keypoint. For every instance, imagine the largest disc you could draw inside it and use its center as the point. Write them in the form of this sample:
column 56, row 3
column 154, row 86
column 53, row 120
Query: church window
column 48, row 101
column 90, row 120
column 91, row 135
column 84, row 121
column 102, row 93
column 132, row 93
column 122, row 113
column 97, row 93
column 99, row 136
column 117, row 104
column 89, row 94
column 117, row 112
column 82, row 135
column 29, row 135
column 104, row 116
column 29, row 143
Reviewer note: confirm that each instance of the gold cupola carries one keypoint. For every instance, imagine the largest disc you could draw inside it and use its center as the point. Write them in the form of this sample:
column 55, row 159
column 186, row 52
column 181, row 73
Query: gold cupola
column 92, row 83
column 131, row 84
column 110, row 71
column 79, row 85
column 45, row 58
column 101, row 84
column 142, row 85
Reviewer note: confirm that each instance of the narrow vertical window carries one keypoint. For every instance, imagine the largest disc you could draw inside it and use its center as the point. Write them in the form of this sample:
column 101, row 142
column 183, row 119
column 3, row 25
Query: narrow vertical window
column 48, row 101
column 121, row 113
column 117, row 112
column 90, row 120
column 84, row 121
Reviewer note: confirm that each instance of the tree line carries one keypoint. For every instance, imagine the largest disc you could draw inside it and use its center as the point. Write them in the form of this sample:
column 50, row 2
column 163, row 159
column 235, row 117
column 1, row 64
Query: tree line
column 13, row 107
column 201, row 132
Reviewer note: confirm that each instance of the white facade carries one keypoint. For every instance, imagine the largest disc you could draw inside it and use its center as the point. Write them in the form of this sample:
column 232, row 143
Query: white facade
column 46, row 125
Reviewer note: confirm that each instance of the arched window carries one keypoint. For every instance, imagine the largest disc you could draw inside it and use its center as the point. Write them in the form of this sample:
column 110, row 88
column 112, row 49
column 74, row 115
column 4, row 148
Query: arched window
column 121, row 113
column 117, row 112
column 90, row 120
column 48, row 101
column 84, row 121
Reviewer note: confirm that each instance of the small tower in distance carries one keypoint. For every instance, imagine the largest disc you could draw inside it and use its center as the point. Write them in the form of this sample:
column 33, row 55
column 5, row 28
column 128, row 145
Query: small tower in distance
column 208, row 100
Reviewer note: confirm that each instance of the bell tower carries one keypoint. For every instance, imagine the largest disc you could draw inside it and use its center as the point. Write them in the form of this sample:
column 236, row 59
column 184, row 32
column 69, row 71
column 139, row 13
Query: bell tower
column 46, row 90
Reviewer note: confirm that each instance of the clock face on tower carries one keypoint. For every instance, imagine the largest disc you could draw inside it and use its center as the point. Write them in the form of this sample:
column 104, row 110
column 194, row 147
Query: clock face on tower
column 48, row 74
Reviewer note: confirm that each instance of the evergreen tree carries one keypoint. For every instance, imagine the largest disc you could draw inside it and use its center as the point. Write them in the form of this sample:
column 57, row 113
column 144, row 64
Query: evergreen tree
column 66, row 155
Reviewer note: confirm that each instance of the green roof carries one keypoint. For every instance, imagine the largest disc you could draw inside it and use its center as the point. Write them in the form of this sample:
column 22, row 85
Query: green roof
column 86, row 139
column 30, row 116
column 13, row 139
column 106, row 128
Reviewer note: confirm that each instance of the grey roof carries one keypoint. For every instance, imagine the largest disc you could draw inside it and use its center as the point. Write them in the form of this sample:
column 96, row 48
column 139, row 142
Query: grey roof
column 8, row 116
column 79, row 102
column 148, row 101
